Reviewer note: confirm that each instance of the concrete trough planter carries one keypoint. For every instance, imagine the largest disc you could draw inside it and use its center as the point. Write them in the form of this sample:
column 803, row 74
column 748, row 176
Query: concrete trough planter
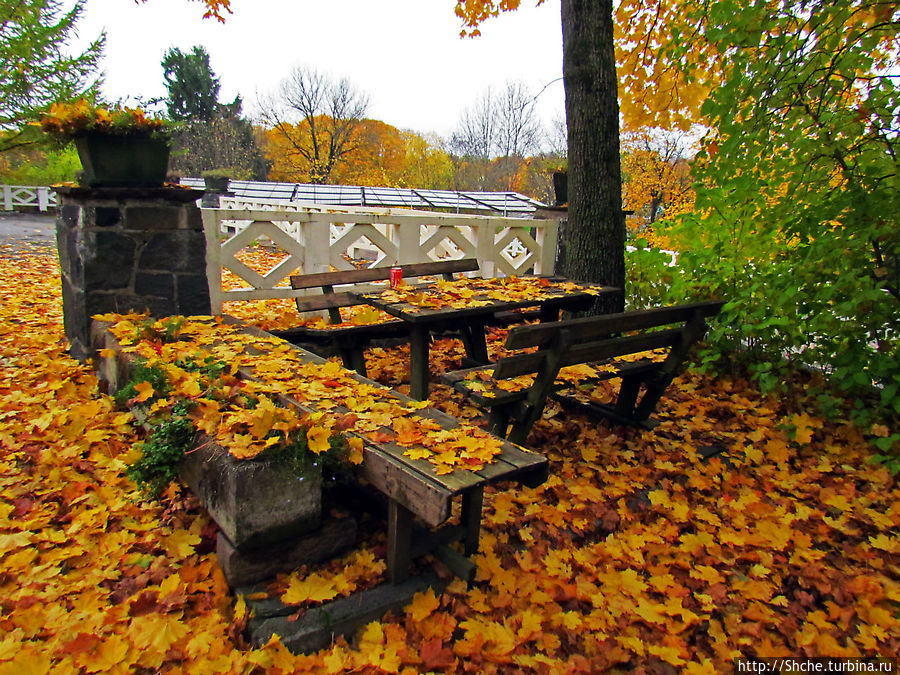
column 255, row 502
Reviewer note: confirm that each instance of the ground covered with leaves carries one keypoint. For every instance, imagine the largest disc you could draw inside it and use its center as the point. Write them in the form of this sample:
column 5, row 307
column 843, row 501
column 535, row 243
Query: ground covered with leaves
column 636, row 555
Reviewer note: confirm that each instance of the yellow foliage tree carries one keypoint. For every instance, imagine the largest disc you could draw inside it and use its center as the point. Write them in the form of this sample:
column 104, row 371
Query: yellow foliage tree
column 382, row 156
column 657, row 180
column 377, row 159
column 427, row 164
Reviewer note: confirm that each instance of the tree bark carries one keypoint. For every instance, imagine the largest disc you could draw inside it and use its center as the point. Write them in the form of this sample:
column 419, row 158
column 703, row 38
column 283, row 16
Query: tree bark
column 595, row 246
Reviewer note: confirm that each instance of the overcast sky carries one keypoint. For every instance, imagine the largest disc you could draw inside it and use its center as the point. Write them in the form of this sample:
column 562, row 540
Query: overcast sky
column 407, row 54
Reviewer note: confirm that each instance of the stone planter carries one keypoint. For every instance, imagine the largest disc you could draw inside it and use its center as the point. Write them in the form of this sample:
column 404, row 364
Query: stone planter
column 254, row 502
column 215, row 187
column 216, row 183
column 137, row 160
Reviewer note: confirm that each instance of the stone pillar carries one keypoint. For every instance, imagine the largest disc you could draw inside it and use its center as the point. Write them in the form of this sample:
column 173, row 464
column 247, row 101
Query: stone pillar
column 129, row 249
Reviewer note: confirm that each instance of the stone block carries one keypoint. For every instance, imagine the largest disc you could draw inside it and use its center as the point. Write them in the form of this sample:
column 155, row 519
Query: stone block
column 120, row 250
column 248, row 567
column 69, row 215
column 159, row 284
column 193, row 218
column 75, row 319
column 108, row 259
column 319, row 626
column 179, row 251
column 70, row 262
column 107, row 216
column 193, row 294
column 255, row 502
column 120, row 303
column 152, row 218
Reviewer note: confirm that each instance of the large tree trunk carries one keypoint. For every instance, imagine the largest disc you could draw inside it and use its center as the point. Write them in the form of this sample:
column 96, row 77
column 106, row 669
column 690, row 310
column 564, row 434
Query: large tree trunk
column 595, row 246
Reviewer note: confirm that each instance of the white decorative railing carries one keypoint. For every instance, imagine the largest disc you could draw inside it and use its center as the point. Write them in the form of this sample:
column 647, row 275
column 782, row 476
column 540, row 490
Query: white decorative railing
column 40, row 197
column 319, row 238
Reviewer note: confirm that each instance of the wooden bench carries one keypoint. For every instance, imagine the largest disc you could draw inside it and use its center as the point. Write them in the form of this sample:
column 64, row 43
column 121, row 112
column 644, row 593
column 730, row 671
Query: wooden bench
column 515, row 389
column 351, row 340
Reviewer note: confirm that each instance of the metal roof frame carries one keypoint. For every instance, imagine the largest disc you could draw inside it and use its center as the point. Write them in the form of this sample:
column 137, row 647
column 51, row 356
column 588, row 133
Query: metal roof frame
column 503, row 203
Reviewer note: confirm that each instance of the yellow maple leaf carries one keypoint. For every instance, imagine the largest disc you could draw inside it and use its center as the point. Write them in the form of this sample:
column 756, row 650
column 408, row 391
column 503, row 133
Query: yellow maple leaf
column 418, row 453
column 531, row 624
column 356, row 454
column 706, row 573
column 144, row 391
column 336, row 660
column 885, row 543
column 111, row 654
column 422, row 605
column 759, row 570
column 632, row 643
column 667, row 654
column 181, row 543
column 313, row 588
column 189, row 388
column 650, row 612
column 804, row 425
column 701, row 668
column 29, row 661
column 662, row 582
column 157, row 631
column 317, row 436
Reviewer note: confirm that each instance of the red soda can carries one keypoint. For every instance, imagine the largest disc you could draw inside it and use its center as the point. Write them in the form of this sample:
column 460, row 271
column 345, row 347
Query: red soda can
column 396, row 277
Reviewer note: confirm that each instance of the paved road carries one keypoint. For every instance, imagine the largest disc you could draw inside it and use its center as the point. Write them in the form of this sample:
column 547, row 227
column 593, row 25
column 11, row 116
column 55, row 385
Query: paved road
column 27, row 228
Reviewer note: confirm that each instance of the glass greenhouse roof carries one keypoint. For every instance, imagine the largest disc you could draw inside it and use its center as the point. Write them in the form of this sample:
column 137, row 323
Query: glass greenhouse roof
column 493, row 203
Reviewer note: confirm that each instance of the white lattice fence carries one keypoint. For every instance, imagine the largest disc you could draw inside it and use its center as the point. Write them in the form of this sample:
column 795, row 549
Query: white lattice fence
column 316, row 239
column 15, row 197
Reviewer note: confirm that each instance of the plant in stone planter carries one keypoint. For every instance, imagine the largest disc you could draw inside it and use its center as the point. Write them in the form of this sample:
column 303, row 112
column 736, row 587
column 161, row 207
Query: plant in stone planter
column 175, row 400
column 118, row 146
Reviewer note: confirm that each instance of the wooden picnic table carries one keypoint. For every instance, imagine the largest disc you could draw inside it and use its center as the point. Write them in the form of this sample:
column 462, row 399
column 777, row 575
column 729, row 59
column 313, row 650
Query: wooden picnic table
column 413, row 487
column 467, row 305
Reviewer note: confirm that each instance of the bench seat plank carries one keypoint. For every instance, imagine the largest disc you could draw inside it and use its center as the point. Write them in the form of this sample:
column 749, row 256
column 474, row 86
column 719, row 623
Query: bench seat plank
column 495, row 392
column 541, row 335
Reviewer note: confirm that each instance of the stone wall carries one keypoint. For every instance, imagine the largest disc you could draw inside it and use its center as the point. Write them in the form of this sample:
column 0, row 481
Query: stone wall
column 129, row 249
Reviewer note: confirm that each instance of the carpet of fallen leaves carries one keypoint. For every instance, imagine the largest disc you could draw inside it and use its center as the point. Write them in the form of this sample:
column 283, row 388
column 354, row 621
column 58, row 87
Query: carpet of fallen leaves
column 635, row 556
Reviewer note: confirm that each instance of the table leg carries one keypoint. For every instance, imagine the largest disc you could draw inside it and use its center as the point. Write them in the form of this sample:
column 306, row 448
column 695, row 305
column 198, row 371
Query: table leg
column 475, row 343
column 400, row 521
column 418, row 363
column 470, row 518
column 548, row 313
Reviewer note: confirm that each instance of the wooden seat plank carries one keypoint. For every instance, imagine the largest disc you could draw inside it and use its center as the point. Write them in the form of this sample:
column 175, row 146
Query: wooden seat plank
column 540, row 335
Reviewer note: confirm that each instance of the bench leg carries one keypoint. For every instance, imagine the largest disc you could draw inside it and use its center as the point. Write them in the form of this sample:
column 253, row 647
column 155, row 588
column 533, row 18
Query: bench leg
column 548, row 313
column 650, row 399
column 520, row 432
column 418, row 363
column 498, row 421
column 470, row 518
column 354, row 359
column 628, row 393
column 528, row 415
column 400, row 520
